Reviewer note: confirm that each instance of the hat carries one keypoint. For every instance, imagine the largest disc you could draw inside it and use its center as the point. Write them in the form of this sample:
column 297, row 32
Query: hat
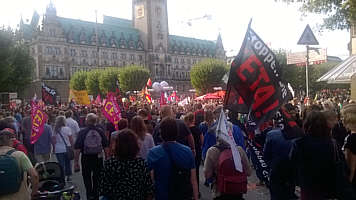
column 6, row 132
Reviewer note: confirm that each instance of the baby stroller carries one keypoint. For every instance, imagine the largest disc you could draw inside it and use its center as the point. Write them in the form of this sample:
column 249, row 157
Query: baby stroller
column 52, row 185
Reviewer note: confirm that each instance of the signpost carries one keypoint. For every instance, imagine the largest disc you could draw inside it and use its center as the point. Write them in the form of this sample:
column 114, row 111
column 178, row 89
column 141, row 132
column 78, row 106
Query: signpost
column 307, row 38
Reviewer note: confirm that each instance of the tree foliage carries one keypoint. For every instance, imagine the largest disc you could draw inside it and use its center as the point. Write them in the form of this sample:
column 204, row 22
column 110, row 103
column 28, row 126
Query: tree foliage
column 16, row 64
column 77, row 81
column 92, row 82
column 339, row 13
column 133, row 78
column 108, row 80
column 207, row 74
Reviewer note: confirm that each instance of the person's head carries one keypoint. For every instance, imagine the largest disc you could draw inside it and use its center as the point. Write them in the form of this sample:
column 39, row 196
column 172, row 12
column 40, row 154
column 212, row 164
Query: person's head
column 169, row 129
column 59, row 123
column 198, row 106
column 143, row 113
column 349, row 116
column 126, row 147
column 5, row 138
column 62, row 113
column 316, row 125
column 91, row 119
column 8, row 126
column 331, row 118
column 138, row 126
column 189, row 119
column 217, row 111
column 292, row 110
column 123, row 123
column 209, row 117
column 166, row 111
column 69, row 114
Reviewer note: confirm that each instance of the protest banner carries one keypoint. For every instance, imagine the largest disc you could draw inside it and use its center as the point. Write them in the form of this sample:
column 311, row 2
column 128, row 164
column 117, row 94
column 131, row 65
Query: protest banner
column 81, row 97
column 111, row 110
column 38, row 119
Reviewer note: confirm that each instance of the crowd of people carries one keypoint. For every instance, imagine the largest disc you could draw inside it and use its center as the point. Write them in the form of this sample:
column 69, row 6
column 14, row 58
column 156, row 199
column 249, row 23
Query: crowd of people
column 157, row 151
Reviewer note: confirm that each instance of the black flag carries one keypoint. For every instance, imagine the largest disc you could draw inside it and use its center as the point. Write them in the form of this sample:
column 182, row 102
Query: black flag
column 49, row 95
column 256, row 76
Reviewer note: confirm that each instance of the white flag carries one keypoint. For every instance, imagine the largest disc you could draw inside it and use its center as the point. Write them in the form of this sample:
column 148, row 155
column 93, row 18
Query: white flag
column 224, row 132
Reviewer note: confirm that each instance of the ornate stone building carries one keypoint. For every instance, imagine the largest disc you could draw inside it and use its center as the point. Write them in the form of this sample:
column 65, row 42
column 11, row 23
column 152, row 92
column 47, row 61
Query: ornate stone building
column 62, row 46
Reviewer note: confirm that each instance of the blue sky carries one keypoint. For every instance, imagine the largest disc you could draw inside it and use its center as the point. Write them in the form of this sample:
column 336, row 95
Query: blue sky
column 278, row 24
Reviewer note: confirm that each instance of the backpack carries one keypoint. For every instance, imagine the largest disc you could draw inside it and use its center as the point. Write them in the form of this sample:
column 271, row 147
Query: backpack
column 180, row 187
column 10, row 174
column 229, row 180
column 92, row 142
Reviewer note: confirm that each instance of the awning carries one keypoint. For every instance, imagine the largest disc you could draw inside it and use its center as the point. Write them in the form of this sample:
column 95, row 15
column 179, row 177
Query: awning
column 341, row 73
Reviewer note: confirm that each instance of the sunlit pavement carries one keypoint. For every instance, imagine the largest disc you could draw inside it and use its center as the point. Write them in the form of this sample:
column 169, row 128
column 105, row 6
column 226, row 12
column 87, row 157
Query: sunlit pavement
column 254, row 192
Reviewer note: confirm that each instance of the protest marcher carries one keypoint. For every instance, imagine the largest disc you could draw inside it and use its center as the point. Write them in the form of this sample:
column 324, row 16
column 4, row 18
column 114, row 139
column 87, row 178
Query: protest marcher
column 276, row 153
column 91, row 143
column 17, row 167
column 26, row 127
column 198, row 140
column 123, row 123
column 184, row 135
column 146, row 118
column 315, row 157
column 213, row 169
column 72, row 124
column 210, row 135
column 126, row 176
column 172, row 164
column 349, row 148
column 198, row 114
column 208, row 128
column 62, row 139
column 16, row 144
column 145, row 140
column 42, row 147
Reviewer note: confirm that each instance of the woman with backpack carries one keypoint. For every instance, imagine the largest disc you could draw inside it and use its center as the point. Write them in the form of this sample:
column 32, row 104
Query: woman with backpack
column 62, row 145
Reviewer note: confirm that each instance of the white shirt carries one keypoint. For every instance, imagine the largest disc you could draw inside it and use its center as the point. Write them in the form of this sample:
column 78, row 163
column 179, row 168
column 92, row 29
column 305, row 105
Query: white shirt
column 60, row 146
column 73, row 125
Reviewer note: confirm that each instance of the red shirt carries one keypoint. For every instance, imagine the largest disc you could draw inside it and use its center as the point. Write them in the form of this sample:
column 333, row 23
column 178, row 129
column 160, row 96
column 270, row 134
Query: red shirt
column 19, row 146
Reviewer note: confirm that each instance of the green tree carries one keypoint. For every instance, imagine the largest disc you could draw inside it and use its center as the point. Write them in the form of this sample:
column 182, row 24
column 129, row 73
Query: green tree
column 16, row 64
column 133, row 78
column 77, row 81
column 108, row 80
column 92, row 82
column 339, row 13
column 207, row 74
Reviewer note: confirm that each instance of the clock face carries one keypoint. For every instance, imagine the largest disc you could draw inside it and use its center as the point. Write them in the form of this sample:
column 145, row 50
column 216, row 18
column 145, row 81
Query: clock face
column 140, row 11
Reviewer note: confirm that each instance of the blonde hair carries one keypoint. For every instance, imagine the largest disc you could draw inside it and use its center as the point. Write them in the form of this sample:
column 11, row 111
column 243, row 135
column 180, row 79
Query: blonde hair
column 349, row 116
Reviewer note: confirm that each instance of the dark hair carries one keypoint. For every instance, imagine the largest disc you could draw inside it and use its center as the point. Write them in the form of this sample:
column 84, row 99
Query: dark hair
column 4, row 124
column 143, row 113
column 126, row 145
column 138, row 126
column 69, row 113
column 316, row 125
column 169, row 129
column 123, row 123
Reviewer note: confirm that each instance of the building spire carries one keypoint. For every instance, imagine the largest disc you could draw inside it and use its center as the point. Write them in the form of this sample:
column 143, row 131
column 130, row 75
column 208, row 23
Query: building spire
column 51, row 9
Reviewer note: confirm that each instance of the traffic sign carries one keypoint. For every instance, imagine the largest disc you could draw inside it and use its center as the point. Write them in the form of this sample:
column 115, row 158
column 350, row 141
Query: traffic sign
column 308, row 37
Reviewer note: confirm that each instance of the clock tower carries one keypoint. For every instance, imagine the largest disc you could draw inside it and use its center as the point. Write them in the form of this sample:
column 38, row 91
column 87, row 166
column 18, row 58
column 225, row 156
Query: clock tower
column 151, row 19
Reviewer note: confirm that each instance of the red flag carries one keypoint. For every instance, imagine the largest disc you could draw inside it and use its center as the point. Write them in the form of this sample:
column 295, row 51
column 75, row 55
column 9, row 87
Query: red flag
column 162, row 99
column 112, row 111
column 98, row 100
column 149, row 83
column 38, row 119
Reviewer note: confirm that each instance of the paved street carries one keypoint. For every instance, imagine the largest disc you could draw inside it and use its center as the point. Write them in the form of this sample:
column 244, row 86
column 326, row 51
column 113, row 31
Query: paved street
column 254, row 192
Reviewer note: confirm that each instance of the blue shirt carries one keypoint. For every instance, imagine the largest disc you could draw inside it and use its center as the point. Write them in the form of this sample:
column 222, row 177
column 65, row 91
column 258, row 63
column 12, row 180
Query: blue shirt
column 159, row 162
column 210, row 136
column 43, row 144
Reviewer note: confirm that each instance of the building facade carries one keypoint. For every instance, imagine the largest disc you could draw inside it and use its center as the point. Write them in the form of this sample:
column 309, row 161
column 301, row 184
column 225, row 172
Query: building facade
column 61, row 46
